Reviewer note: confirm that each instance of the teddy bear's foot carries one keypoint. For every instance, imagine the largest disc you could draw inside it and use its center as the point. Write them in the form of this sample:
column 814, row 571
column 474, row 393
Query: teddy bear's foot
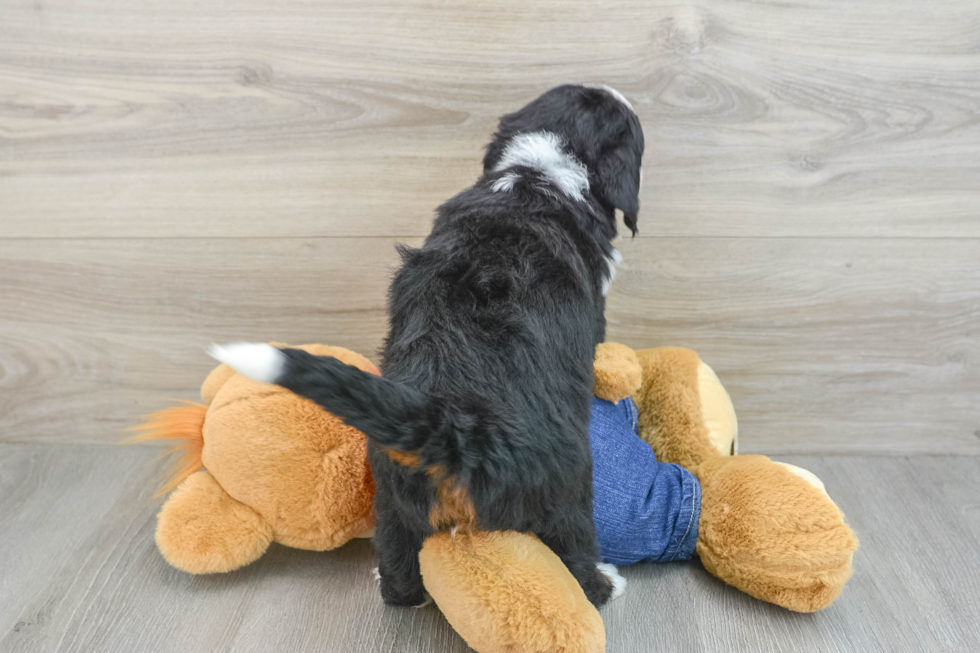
column 508, row 592
column 772, row 531
column 203, row 530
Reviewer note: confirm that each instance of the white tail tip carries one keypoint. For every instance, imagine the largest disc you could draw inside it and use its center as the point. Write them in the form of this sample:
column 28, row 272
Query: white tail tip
column 255, row 360
column 618, row 582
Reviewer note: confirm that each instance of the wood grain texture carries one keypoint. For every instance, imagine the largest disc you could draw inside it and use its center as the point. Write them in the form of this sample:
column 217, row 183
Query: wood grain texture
column 81, row 573
column 798, row 118
column 825, row 345
column 96, row 333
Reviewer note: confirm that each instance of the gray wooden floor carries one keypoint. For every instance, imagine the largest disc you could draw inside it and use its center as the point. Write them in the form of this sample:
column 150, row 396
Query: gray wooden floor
column 80, row 572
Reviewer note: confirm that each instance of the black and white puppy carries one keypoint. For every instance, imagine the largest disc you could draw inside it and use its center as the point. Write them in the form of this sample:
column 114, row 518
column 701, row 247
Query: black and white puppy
column 480, row 420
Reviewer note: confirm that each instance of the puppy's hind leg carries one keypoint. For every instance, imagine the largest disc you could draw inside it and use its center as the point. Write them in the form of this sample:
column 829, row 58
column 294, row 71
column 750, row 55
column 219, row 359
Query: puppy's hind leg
column 600, row 582
column 618, row 582
column 398, row 552
column 576, row 547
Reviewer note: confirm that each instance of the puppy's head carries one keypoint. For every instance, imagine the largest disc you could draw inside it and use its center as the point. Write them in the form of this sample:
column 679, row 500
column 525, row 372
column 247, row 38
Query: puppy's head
column 597, row 126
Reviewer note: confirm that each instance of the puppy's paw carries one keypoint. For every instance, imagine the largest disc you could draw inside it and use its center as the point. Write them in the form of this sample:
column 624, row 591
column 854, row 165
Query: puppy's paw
column 427, row 601
column 376, row 573
column 618, row 582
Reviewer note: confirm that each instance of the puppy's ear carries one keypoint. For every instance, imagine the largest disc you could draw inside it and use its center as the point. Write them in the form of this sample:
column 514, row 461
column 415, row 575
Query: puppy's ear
column 618, row 182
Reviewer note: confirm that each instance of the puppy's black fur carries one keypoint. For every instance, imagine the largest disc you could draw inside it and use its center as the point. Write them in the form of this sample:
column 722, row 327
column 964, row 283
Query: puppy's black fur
column 487, row 372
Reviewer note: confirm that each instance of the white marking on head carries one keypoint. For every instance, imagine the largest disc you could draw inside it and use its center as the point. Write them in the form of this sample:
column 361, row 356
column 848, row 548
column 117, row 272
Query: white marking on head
column 618, row 582
column 613, row 92
column 543, row 152
column 505, row 183
column 258, row 361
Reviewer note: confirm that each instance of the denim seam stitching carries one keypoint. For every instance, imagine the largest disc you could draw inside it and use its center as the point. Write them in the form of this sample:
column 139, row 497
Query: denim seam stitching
column 688, row 530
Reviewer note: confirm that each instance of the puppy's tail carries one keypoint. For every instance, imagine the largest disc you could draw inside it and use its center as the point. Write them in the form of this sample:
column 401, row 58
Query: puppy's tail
column 392, row 414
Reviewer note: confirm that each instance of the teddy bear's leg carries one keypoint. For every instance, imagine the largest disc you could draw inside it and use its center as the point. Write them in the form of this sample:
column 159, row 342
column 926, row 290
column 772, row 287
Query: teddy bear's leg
column 772, row 531
column 506, row 592
column 644, row 510
column 202, row 530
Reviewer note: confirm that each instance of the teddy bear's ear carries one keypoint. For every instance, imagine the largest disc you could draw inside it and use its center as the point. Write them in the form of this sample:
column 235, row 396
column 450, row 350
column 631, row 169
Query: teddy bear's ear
column 617, row 370
column 214, row 381
column 219, row 376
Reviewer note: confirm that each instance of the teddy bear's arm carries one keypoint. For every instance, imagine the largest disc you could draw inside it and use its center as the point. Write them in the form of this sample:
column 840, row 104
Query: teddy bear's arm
column 617, row 372
column 215, row 379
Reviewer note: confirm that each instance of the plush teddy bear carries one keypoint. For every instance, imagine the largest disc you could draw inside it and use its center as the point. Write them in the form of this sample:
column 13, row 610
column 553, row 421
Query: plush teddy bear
column 279, row 468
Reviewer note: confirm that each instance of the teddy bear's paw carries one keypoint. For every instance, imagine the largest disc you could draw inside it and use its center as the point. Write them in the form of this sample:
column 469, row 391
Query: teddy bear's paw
column 806, row 475
column 618, row 582
column 617, row 372
column 772, row 531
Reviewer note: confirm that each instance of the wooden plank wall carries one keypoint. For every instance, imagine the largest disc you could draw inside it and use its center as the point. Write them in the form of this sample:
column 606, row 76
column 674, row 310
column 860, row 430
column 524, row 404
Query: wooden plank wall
column 173, row 174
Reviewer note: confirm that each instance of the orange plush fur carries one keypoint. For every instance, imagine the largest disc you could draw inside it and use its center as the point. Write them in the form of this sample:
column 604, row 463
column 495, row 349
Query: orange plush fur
column 204, row 531
column 506, row 592
column 669, row 406
column 185, row 425
column 789, row 544
column 278, row 468
column 617, row 370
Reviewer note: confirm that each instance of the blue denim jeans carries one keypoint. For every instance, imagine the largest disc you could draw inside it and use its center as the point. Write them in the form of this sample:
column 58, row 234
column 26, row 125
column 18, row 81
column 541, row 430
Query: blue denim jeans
column 644, row 510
